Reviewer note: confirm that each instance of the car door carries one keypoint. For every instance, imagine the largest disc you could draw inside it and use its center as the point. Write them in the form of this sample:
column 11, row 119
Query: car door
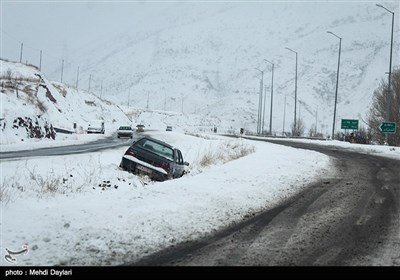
column 179, row 166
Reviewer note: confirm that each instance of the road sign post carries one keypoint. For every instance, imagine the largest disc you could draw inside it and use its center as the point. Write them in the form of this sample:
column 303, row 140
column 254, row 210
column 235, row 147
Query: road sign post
column 349, row 124
column 387, row 127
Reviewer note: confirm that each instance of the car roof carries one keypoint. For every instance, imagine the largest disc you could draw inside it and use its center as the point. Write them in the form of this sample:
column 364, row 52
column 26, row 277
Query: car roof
column 156, row 140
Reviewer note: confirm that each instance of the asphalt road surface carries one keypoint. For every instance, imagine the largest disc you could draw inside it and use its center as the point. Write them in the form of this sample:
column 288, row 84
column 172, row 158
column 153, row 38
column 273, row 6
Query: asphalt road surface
column 352, row 219
column 101, row 144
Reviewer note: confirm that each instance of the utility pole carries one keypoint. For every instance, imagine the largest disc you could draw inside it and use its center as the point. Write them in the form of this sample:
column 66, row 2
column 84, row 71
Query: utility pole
column 272, row 97
column 101, row 89
column 263, row 116
column 316, row 121
column 129, row 96
column 90, row 77
column 260, row 101
column 77, row 78
column 148, row 96
column 272, row 101
column 62, row 70
column 260, row 98
column 40, row 61
column 284, row 116
column 20, row 56
column 389, row 95
column 295, row 92
column 337, row 84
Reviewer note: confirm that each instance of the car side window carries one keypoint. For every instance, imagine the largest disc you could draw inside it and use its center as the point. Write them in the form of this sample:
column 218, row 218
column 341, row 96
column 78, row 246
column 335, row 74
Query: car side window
column 180, row 158
column 139, row 143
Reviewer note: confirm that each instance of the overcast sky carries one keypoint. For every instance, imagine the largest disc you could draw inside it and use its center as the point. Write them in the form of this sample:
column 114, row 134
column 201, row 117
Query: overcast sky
column 60, row 28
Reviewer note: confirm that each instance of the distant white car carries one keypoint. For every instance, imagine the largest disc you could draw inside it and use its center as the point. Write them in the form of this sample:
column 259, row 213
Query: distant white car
column 124, row 131
column 169, row 128
column 96, row 126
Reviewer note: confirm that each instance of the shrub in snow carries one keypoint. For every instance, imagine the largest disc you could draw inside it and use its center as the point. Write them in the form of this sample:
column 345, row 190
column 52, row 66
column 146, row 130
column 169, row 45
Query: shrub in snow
column 225, row 152
column 35, row 128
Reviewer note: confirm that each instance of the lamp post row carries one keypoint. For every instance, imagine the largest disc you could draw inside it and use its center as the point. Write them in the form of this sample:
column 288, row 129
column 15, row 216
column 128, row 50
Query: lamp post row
column 260, row 128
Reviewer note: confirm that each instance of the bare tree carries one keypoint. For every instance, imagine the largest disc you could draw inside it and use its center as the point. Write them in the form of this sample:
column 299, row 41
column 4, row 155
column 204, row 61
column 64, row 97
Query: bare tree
column 10, row 77
column 313, row 131
column 12, row 80
column 299, row 129
column 378, row 111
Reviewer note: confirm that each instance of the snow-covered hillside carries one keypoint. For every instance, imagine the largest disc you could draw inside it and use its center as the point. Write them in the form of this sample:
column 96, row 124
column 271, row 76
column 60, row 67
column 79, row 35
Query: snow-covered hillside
column 200, row 57
column 32, row 107
column 40, row 106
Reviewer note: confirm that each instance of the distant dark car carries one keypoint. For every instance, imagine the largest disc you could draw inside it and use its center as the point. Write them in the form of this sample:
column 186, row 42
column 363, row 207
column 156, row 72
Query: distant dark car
column 152, row 157
column 124, row 131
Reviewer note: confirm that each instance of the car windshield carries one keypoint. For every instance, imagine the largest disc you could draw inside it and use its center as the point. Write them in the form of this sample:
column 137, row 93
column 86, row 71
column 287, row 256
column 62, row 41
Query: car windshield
column 155, row 147
column 124, row 128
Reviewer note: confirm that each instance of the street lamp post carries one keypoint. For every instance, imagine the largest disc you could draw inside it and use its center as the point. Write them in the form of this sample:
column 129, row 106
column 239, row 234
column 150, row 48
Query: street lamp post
column 272, row 97
column 295, row 92
column 260, row 101
column 77, row 78
column 389, row 96
column 337, row 84
column 284, row 117
column 264, row 105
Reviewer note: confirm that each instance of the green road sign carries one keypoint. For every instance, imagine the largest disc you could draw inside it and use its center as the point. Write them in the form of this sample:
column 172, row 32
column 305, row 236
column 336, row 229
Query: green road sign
column 388, row 127
column 349, row 124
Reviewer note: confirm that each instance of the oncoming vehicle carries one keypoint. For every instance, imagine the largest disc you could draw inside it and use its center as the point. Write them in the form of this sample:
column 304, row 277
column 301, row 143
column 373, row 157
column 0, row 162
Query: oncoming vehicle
column 124, row 131
column 140, row 128
column 169, row 128
column 152, row 157
column 96, row 126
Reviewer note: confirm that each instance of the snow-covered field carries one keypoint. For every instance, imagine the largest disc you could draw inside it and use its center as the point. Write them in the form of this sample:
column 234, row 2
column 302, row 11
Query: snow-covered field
column 84, row 210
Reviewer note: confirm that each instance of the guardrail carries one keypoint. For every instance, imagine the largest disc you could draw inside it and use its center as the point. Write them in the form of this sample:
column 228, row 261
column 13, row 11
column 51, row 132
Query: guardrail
column 61, row 130
column 277, row 137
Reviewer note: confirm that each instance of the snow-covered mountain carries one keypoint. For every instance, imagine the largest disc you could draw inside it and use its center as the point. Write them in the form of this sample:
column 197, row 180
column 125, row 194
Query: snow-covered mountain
column 200, row 58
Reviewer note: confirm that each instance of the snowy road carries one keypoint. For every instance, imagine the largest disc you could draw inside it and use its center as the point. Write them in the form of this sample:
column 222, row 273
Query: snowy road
column 352, row 219
column 94, row 146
